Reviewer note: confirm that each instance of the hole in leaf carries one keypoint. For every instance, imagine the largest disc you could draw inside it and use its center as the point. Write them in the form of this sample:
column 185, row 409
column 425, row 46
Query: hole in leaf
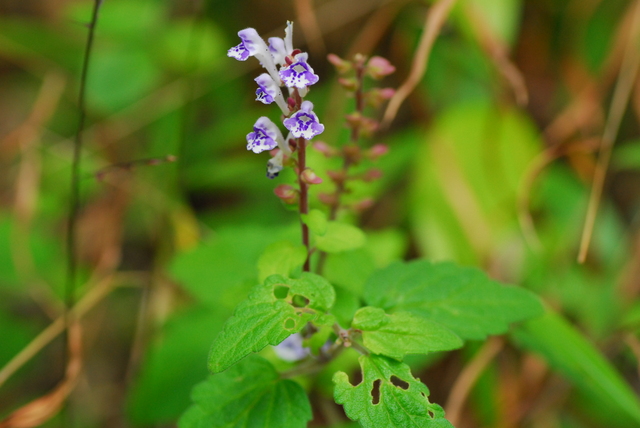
column 375, row 392
column 399, row 382
column 280, row 292
column 299, row 301
column 289, row 323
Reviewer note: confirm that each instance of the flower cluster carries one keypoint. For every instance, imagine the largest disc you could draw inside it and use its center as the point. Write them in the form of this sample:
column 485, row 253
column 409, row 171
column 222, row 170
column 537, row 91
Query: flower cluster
column 285, row 67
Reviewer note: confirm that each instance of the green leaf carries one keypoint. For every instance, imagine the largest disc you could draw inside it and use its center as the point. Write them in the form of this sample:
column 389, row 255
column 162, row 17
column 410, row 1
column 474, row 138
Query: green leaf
column 402, row 333
column 273, row 311
column 566, row 350
column 281, row 258
column 317, row 222
column 340, row 237
column 461, row 298
column 399, row 401
column 251, row 394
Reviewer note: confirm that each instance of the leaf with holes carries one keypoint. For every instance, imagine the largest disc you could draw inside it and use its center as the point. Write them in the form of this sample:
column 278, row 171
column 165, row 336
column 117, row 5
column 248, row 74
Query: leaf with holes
column 388, row 396
column 461, row 298
column 272, row 312
column 249, row 394
column 402, row 333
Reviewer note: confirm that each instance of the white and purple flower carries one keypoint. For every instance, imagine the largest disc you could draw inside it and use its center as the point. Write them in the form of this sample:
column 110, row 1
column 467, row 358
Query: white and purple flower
column 253, row 45
column 265, row 136
column 291, row 349
column 268, row 91
column 299, row 74
column 281, row 49
column 304, row 123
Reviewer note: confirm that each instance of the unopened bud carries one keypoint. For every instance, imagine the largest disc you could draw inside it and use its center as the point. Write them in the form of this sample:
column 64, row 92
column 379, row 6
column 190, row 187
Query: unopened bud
column 377, row 151
column 350, row 84
column 376, row 96
column 372, row 175
column 352, row 153
column 340, row 64
column 310, row 177
column 363, row 205
column 324, row 148
column 368, row 126
column 287, row 193
column 378, row 67
column 328, row 199
column 338, row 176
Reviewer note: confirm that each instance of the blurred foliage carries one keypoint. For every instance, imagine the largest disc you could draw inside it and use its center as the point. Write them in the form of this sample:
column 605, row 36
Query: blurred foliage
column 466, row 165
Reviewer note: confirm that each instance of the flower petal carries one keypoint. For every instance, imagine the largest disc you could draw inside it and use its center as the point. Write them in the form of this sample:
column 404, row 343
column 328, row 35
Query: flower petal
column 304, row 123
column 265, row 136
column 299, row 74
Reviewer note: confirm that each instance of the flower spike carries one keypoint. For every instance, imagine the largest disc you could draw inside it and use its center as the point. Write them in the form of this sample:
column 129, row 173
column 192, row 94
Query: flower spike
column 304, row 123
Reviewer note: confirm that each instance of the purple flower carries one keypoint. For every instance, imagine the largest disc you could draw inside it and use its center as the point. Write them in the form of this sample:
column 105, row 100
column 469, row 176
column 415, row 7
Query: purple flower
column 291, row 348
column 265, row 136
column 269, row 92
column 280, row 48
column 253, row 45
column 304, row 123
column 299, row 74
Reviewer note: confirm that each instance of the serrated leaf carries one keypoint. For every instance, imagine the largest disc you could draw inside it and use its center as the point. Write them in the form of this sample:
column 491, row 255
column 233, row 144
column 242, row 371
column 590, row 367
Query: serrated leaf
column 570, row 353
column 281, row 258
column 461, row 298
column 402, row 333
column 405, row 405
column 249, row 394
column 273, row 311
column 340, row 237
column 317, row 222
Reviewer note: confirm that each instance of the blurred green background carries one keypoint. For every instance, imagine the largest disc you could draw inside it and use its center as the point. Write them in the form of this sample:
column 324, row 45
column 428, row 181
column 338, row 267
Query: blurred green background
column 474, row 174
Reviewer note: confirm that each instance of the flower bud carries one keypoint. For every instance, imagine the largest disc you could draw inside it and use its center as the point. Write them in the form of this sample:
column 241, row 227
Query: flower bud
column 328, row 199
column 350, row 84
column 376, row 96
column 324, row 148
column 338, row 176
column 287, row 193
column 371, row 175
column 368, row 126
column 377, row 151
column 362, row 205
column 340, row 64
column 378, row 67
column 310, row 177
column 352, row 153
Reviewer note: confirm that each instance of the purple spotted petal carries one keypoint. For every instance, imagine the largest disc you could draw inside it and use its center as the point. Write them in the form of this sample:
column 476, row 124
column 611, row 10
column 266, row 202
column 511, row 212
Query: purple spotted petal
column 299, row 74
column 265, row 136
column 240, row 52
column 267, row 89
column 304, row 123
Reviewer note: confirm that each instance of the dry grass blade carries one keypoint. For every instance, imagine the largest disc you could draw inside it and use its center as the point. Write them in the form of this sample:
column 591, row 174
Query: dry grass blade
column 435, row 19
column 309, row 24
column 44, row 408
column 622, row 92
column 469, row 376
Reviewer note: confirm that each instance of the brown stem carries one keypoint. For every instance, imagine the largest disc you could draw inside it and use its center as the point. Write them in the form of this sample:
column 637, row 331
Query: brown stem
column 304, row 198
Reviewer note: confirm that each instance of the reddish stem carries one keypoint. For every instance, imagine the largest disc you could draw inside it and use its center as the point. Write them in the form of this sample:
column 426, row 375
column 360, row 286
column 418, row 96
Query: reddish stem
column 304, row 198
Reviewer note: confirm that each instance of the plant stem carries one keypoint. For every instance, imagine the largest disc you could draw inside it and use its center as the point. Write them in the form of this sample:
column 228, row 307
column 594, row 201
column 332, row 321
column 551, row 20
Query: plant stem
column 304, row 198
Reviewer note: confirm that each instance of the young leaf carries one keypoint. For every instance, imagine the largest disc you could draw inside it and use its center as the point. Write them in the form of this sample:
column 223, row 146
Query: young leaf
column 461, row 298
column 273, row 311
column 388, row 396
column 340, row 237
column 317, row 222
column 249, row 394
column 281, row 258
column 402, row 333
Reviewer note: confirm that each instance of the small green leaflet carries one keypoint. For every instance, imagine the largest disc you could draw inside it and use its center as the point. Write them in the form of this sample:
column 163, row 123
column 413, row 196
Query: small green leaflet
column 461, row 298
column 317, row 222
column 250, row 393
column 402, row 333
column 272, row 312
column 281, row 257
column 399, row 401
column 340, row 237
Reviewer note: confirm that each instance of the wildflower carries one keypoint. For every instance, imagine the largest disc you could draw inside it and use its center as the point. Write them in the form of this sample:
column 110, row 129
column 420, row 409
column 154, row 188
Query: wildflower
column 268, row 91
column 275, row 165
column 253, row 45
column 265, row 136
column 291, row 348
column 299, row 74
column 280, row 49
column 304, row 123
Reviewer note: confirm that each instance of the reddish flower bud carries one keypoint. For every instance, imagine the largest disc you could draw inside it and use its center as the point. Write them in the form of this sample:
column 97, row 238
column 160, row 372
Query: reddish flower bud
column 363, row 205
column 328, row 199
column 310, row 177
column 350, row 84
column 378, row 67
column 368, row 126
column 371, row 175
column 377, row 151
column 324, row 148
column 340, row 64
column 352, row 153
column 338, row 176
column 287, row 193
column 376, row 96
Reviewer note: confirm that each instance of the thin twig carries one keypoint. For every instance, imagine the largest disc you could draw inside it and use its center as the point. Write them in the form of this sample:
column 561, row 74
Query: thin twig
column 622, row 92
column 469, row 376
column 435, row 19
